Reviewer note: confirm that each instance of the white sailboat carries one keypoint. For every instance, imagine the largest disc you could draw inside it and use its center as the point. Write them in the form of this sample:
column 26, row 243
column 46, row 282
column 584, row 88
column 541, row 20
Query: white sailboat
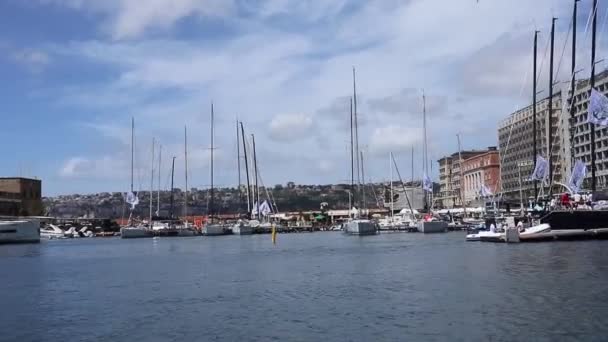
column 132, row 231
column 211, row 228
column 428, row 225
column 357, row 225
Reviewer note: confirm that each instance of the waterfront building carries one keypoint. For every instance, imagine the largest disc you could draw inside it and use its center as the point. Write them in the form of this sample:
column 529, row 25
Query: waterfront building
column 20, row 197
column 480, row 170
column 515, row 141
column 449, row 179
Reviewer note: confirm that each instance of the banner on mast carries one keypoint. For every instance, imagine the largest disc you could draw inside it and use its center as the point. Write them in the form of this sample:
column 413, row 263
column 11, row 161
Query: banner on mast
column 541, row 171
column 598, row 109
column 427, row 184
column 579, row 171
column 131, row 198
column 484, row 191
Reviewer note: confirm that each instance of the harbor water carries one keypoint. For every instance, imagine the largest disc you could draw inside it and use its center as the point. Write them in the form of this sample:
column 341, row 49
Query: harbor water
column 307, row 287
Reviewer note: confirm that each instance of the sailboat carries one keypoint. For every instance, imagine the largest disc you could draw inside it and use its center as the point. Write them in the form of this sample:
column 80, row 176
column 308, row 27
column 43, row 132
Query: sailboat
column 133, row 231
column 406, row 217
column 582, row 219
column 357, row 225
column 428, row 225
column 242, row 227
column 211, row 228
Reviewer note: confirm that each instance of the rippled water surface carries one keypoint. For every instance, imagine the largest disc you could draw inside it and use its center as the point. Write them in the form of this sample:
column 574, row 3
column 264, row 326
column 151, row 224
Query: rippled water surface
column 308, row 287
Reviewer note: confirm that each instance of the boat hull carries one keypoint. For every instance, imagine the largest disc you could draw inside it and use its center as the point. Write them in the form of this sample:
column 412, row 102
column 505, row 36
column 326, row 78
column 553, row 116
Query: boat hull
column 213, row 230
column 135, row 233
column 360, row 227
column 432, row 227
column 242, row 229
column 577, row 219
column 24, row 231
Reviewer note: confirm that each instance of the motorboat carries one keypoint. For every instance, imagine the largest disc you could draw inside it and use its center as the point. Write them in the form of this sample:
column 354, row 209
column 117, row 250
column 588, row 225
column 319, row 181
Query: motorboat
column 492, row 236
column 51, row 231
column 19, row 231
column 360, row 227
column 483, row 234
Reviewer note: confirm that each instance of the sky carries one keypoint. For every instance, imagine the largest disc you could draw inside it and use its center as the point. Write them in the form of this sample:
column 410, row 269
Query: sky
column 74, row 73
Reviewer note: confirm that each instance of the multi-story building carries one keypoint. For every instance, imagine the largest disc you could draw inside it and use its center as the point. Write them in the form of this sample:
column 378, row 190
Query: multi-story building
column 515, row 140
column 20, row 197
column 449, row 195
column 480, row 170
column 581, row 143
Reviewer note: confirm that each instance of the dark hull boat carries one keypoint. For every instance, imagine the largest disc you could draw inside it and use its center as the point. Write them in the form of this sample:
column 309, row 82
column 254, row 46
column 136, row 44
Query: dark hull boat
column 581, row 219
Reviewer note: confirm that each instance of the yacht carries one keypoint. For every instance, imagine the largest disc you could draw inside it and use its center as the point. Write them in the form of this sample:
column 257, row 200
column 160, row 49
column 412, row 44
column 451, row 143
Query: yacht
column 51, row 231
column 20, row 231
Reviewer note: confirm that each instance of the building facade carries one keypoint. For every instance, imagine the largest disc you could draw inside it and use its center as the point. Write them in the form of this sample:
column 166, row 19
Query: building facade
column 515, row 141
column 581, row 142
column 449, row 195
column 415, row 195
column 480, row 170
column 20, row 197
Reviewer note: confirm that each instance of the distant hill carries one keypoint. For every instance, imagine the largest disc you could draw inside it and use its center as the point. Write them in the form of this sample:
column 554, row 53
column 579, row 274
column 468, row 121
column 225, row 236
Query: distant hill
column 288, row 198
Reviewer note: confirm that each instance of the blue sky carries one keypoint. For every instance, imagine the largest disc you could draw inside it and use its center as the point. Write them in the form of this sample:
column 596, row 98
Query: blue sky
column 74, row 72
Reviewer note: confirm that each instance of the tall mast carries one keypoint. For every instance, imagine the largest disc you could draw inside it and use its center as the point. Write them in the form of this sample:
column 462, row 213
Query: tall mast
column 211, row 208
column 249, row 198
column 424, row 166
column 238, row 165
column 255, row 172
column 572, row 84
column 172, row 174
column 363, row 182
column 390, row 164
column 356, row 137
column 132, row 148
column 550, row 107
column 186, row 173
column 461, row 182
column 352, row 153
column 412, row 160
column 151, row 184
column 160, row 154
column 591, row 86
column 534, row 111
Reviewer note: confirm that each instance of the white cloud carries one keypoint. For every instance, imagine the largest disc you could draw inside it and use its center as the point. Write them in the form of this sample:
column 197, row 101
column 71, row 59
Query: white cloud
column 394, row 138
column 290, row 127
column 34, row 60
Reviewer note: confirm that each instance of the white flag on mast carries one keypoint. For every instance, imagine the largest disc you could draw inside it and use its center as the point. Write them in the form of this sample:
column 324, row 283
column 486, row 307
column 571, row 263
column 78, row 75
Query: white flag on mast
column 484, row 191
column 132, row 199
column 427, row 184
column 541, row 171
column 265, row 208
column 579, row 171
column 598, row 109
